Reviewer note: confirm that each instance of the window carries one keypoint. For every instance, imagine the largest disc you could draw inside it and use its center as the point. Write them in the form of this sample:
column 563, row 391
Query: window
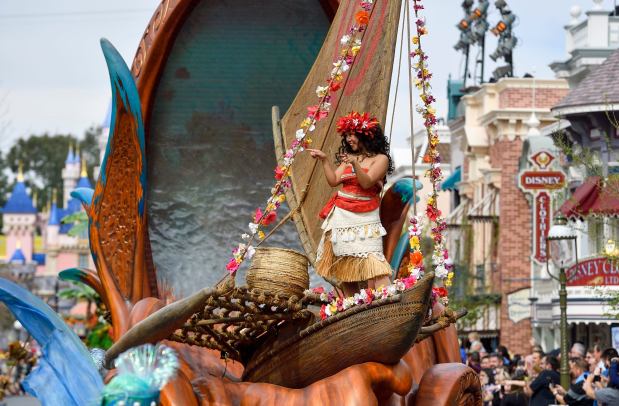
column 480, row 278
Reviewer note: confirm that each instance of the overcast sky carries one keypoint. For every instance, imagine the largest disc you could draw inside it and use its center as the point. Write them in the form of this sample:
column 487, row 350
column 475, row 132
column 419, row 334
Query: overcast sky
column 53, row 77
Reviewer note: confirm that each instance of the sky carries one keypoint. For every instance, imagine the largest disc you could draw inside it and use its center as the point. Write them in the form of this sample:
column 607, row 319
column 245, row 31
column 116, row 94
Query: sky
column 53, row 77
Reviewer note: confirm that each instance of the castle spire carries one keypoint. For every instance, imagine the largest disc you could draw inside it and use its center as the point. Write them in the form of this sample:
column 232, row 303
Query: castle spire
column 20, row 171
column 84, row 173
column 70, row 155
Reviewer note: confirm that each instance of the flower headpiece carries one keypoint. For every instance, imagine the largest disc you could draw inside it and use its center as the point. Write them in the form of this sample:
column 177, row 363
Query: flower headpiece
column 357, row 123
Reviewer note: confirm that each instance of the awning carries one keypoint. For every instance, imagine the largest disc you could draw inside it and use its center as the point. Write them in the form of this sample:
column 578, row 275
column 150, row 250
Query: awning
column 451, row 183
column 486, row 208
column 593, row 198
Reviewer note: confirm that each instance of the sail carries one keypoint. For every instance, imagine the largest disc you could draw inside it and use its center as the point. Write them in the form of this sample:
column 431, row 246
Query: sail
column 366, row 88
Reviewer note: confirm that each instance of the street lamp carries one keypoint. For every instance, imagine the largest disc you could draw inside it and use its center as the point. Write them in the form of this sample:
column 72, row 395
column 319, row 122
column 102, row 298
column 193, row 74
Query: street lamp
column 563, row 253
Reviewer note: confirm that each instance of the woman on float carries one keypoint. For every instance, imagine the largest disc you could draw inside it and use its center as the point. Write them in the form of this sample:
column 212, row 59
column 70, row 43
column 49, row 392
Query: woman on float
column 351, row 248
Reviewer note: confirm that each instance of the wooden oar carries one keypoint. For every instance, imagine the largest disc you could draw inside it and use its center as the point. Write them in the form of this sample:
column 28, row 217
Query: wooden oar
column 161, row 324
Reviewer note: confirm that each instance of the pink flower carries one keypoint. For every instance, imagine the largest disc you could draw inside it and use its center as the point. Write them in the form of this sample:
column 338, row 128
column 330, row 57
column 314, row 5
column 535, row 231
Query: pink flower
column 257, row 215
column 318, row 290
column 232, row 266
column 316, row 112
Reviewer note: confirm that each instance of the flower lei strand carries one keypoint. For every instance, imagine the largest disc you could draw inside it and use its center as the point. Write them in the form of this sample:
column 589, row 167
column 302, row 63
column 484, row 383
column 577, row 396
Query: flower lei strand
column 351, row 44
column 432, row 157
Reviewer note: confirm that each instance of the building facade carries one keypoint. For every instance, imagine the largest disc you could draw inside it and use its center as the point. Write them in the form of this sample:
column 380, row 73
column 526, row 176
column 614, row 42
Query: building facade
column 491, row 227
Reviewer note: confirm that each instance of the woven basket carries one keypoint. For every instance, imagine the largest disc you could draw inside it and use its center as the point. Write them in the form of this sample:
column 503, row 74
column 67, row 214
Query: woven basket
column 279, row 270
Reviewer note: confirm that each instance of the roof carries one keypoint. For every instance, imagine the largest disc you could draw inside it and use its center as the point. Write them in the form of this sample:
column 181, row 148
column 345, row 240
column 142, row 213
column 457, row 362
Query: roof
column 54, row 219
column 84, row 182
column 19, row 202
column 451, row 182
column 18, row 256
column 600, row 86
column 593, row 198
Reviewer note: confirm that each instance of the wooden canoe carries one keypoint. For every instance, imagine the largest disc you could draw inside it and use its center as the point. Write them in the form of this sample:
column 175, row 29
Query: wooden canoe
column 382, row 331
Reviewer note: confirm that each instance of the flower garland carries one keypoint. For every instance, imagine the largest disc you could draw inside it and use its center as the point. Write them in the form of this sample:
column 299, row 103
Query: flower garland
column 443, row 270
column 351, row 45
column 334, row 304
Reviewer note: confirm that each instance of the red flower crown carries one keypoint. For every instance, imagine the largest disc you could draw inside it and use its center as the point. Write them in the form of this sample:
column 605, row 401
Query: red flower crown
column 357, row 123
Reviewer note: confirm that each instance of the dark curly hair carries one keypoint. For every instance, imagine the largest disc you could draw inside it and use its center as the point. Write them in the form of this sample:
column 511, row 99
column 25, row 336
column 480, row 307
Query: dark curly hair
column 375, row 145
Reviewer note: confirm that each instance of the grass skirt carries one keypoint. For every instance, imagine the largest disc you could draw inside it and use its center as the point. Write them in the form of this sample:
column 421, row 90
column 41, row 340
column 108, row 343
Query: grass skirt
column 349, row 268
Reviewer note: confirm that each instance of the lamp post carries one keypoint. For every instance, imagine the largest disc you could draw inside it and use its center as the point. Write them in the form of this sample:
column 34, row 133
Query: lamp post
column 563, row 253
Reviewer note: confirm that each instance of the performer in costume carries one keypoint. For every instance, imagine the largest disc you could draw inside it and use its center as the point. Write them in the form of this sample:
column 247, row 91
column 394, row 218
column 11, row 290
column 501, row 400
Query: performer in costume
column 351, row 248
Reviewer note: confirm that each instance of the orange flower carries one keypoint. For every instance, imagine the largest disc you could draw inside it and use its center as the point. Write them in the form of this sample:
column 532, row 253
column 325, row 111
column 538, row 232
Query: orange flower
column 416, row 258
column 427, row 159
column 362, row 17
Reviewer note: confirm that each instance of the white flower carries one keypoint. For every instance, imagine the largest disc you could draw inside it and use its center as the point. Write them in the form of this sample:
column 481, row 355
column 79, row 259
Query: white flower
column 345, row 39
column 287, row 161
column 324, row 296
column 311, row 128
column 250, row 252
column 345, row 66
column 245, row 236
column 253, row 227
column 392, row 290
column 440, row 271
column 328, row 310
column 321, row 91
column 300, row 134
column 326, row 106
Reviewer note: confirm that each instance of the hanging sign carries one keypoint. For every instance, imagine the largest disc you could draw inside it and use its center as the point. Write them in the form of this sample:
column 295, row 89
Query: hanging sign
column 539, row 181
column 594, row 272
column 542, row 225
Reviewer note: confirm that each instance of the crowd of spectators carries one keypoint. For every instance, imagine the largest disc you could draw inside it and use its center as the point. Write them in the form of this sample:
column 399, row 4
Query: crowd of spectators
column 534, row 379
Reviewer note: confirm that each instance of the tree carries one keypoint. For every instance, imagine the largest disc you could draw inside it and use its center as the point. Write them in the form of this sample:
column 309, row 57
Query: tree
column 43, row 157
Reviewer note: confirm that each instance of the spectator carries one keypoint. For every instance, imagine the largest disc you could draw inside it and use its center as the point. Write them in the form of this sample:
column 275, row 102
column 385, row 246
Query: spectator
column 502, row 350
column 606, row 356
column 476, row 344
column 473, row 361
column 576, row 395
column 496, row 361
column 577, row 350
column 514, row 394
column 596, row 390
column 485, row 362
column 488, row 387
column 535, row 366
column 597, row 354
column 539, row 388
column 590, row 359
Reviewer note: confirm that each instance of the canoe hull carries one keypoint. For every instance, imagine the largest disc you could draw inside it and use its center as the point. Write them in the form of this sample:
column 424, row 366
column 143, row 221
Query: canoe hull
column 377, row 334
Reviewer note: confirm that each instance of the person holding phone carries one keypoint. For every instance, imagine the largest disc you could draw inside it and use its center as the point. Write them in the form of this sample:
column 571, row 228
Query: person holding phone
column 539, row 389
column 351, row 248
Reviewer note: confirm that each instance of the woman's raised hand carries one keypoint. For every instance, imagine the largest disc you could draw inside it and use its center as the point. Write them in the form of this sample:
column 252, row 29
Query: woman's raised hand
column 317, row 154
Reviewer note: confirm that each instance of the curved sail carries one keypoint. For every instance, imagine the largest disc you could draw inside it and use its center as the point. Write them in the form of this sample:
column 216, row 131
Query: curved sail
column 366, row 88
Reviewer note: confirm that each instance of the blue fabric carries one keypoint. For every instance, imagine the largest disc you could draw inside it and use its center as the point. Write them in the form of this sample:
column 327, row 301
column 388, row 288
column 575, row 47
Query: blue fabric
column 19, row 202
column 66, row 374
column 452, row 180
column 38, row 258
column 404, row 188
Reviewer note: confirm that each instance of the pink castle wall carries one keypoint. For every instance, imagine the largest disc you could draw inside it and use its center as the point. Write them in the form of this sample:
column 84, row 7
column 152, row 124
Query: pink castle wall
column 66, row 260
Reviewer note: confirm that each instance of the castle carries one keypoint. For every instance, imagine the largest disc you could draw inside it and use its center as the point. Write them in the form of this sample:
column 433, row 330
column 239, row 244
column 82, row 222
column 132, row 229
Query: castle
column 55, row 249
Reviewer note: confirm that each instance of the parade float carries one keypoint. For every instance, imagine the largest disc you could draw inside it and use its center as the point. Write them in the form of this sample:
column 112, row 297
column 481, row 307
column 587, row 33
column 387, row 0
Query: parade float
column 186, row 145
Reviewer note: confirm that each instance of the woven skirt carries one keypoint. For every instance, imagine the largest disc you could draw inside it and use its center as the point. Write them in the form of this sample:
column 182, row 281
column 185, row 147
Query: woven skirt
column 351, row 247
